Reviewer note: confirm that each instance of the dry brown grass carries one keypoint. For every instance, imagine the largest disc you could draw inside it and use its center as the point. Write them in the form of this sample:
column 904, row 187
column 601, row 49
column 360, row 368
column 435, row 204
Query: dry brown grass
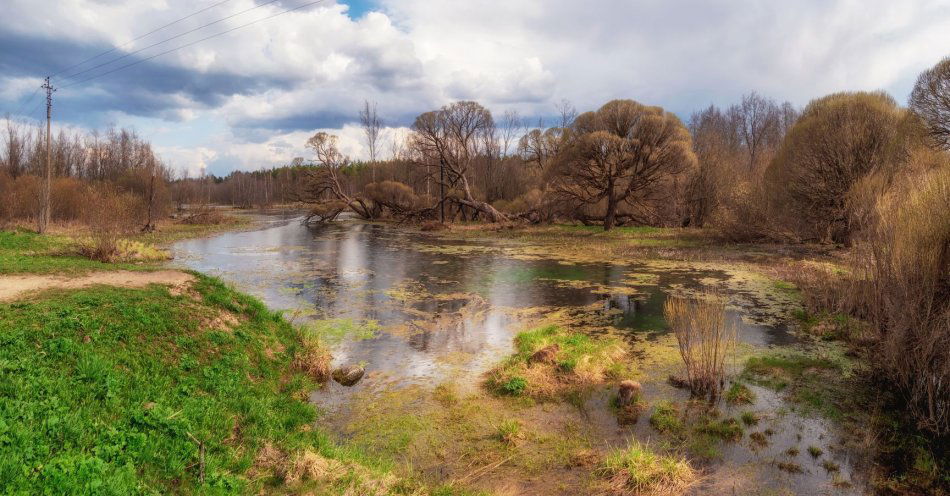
column 705, row 340
column 308, row 469
column 903, row 289
column 638, row 470
column 110, row 216
column 313, row 359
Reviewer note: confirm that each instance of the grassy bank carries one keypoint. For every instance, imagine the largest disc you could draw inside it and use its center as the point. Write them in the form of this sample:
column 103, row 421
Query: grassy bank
column 119, row 391
column 24, row 252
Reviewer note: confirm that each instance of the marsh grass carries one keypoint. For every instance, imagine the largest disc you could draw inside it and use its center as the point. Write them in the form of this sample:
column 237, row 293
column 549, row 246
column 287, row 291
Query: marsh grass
column 738, row 393
column 666, row 418
column 578, row 362
column 705, row 340
column 637, row 469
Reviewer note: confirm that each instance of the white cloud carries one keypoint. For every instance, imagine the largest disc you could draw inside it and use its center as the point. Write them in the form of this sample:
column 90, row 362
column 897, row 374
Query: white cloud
column 317, row 65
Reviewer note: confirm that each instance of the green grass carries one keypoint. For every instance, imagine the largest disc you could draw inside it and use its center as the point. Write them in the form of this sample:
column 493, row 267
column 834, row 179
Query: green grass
column 580, row 359
column 810, row 381
column 739, row 393
column 330, row 331
column 666, row 418
column 28, row 252
column 726, row 429
column 637, row 469
column 169, row 232
column 616, row 230
column 110, row 391
column 515, row 386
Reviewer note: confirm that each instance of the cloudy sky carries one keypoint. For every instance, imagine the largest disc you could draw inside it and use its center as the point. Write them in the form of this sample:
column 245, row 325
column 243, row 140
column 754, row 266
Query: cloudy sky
column 250, row 98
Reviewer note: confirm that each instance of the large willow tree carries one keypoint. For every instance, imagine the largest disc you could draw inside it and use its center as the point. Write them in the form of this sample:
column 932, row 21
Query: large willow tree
column 620, row 155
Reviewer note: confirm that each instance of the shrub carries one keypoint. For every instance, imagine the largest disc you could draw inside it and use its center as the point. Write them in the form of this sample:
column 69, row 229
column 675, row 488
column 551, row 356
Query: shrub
column 70, row 196
column 904, row 291
column 705, row 339
column 110, row 215
column 840, row 139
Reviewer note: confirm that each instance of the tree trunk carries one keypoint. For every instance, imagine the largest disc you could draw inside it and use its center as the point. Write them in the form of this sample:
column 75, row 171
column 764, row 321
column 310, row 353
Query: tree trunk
column 611, row 218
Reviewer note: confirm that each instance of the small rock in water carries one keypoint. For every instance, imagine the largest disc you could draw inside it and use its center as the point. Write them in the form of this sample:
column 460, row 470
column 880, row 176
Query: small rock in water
column 548, row 354
column 629, row 392
column 348, row 375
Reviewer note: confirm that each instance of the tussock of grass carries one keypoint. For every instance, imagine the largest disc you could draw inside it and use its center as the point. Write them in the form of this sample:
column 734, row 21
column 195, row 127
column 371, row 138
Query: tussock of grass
column 726, row 429
column 578, row 360
column 749, row 418
column 739, row 393
column 639, row 470
column 666, row 418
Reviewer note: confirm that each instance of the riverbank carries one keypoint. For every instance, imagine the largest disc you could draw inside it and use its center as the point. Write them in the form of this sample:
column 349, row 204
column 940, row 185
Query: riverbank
column 187, row 387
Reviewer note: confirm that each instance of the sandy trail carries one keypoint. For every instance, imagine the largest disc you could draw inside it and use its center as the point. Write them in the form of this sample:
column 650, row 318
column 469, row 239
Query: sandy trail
column 17, row 286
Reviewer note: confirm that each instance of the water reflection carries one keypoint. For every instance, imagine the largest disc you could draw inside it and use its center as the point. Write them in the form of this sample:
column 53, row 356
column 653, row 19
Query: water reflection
column 443, row 312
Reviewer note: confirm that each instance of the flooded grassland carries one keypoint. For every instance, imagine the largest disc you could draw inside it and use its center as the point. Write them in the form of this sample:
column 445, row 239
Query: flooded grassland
column 447, row 327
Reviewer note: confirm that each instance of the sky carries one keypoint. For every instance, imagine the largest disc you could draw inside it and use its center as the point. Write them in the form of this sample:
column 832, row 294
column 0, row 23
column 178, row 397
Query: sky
column 250, row 98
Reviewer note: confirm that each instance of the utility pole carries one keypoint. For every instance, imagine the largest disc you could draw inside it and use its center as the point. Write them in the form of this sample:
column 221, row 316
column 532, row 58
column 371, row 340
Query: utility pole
column 47, row 187
column 442, row 188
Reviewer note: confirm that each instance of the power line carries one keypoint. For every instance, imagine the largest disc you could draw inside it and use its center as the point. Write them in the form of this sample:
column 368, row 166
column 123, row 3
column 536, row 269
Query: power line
column 192, row 43
column 72, row 76
column 27, row 101
column 176, row 21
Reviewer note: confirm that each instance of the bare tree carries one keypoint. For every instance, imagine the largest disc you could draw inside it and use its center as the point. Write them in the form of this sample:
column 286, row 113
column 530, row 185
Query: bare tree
column 567, row 113
column 16, row 147
column 931, row 101
column 512, row 126
column 757, row 123
column 455, row 136
column 717, row 148
column 371, row 126
column 620, row 153
column 326, row 182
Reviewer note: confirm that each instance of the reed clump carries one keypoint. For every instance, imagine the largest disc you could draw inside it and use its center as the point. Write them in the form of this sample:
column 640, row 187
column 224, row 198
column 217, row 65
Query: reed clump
column 903, row 289
column 705, row 338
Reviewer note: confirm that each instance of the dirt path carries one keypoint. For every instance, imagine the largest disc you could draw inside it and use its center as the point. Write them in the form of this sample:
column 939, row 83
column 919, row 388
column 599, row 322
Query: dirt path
column 16, row 286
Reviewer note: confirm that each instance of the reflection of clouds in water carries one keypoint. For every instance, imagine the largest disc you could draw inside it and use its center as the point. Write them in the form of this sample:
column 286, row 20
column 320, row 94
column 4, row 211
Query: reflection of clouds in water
column 344, row 270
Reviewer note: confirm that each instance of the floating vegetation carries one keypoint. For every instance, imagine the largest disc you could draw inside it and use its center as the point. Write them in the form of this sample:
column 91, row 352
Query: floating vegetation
column 335, row 330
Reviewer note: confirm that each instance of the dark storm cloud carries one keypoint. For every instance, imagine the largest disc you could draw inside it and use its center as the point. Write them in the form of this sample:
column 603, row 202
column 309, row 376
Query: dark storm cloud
column 147, row 89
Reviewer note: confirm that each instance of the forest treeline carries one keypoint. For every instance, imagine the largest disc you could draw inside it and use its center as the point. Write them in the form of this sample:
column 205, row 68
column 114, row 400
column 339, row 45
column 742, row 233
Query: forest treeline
column 853, row 168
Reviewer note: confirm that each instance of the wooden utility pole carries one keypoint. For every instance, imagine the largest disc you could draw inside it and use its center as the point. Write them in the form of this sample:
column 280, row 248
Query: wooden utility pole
column 47, row 187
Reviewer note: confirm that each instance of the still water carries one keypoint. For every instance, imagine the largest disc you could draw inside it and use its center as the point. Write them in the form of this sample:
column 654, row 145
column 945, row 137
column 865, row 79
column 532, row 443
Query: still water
column 433, row 298
column 449, row 308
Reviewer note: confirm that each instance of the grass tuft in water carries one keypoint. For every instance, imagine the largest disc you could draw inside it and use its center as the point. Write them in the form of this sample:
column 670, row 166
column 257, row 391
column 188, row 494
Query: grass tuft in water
column 551, row 362
column 639, row 470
